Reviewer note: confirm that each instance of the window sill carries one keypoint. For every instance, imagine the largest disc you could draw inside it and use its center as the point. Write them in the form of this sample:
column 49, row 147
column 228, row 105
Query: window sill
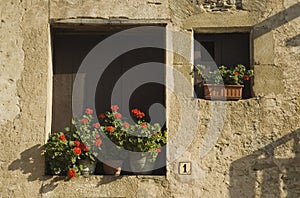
column 102, row 186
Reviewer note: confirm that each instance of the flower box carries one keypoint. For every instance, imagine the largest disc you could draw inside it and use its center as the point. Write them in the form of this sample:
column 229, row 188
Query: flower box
column 222, row 92
column 223, row 83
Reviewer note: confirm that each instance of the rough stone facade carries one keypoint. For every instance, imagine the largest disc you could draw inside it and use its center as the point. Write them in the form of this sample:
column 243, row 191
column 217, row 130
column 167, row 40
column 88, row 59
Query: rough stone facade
column 218, row 5
column 256, row 153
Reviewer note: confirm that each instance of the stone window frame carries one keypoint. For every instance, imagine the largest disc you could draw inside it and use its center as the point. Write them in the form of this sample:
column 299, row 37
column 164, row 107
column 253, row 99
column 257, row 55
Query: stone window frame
column 229, row 29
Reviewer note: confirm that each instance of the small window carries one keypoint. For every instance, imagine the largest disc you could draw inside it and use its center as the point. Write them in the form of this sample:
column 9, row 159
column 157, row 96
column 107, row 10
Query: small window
column 227, row 49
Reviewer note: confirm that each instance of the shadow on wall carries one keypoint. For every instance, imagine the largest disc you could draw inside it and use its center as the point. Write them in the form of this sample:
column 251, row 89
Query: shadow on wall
column 264, row 174
column 294, row 42
column 32, row 163
column 276, row 20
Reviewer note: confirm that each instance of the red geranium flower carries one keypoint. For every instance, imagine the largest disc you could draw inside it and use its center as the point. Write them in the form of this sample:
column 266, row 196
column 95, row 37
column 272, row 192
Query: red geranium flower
column 98, row 142
column 158, row 150
column 97, row 136
column 102, row 116
column 110, row 129
column 144, row 125
column 126, row 125
column 96, row 125
column 114, row 107
column 77, row 143
column 77, row 150
column 62, row 137
column 137, row 113
column 84, row 147
column 246, row 77
column 84, row 121
column 236, row 73
column 72, row 173
column 88, row 111
column 118, row 116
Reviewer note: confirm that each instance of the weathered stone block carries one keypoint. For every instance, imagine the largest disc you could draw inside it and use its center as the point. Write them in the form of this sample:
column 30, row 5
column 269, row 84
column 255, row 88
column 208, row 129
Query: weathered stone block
column 102, row 9
column 268, row 80
column 263, row 48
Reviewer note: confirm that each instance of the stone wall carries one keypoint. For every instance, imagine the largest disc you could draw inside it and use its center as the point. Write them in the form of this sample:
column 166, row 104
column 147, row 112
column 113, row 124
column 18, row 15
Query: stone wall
column 218, row 5
column 152, row 9
column 24, row 92
column 249, row 149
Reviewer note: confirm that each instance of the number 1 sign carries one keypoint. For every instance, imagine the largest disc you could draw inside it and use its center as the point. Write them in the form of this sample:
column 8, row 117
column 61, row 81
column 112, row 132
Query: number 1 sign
column 185, row 168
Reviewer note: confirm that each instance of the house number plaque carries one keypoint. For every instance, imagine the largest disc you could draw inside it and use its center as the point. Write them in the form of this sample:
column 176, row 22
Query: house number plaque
column 185, row 168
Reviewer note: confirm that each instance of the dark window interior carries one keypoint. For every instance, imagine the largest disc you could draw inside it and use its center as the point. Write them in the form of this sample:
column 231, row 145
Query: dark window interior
column 227, row 49
column 70, row 47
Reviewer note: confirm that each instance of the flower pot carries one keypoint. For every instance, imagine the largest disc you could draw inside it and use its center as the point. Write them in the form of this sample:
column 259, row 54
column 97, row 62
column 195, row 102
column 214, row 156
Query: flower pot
column 112, row 167
column 140, row 163
column 88, row 167
column 137, row 161
column 222, row 92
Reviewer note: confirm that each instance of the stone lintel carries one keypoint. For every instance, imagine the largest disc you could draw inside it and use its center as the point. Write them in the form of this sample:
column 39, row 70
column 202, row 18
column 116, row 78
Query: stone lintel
column 107, row 21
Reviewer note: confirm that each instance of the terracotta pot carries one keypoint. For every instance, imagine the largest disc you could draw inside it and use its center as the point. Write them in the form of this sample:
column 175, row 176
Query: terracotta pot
column 137, row 161
column 88, row 167
column 222, row 92
column 140, row 163
column 112, row 167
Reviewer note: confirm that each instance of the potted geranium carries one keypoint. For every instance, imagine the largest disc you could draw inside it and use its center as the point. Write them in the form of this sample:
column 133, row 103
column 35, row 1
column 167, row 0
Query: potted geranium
column 138, row 136
column 225, row 82
column 73, row 151
column 112, row 126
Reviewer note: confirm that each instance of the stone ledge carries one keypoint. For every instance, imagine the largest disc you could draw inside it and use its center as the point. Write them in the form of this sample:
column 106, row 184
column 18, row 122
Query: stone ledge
column 100, row 185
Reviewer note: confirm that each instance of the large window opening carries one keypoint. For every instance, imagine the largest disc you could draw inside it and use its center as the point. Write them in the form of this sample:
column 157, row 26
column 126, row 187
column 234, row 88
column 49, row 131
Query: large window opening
column 70, row 47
